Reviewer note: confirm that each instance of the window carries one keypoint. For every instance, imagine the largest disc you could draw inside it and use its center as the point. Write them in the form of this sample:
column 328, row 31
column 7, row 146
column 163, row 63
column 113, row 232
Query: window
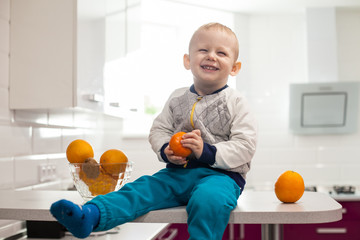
column 142, row 80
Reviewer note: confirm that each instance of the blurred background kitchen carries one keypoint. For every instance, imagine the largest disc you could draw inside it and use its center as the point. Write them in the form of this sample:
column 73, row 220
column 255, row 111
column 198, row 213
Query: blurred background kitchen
column 105, row 69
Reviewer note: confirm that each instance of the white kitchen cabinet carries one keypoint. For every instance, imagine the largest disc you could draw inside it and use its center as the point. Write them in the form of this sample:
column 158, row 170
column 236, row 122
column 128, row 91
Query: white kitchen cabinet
column 57, row 54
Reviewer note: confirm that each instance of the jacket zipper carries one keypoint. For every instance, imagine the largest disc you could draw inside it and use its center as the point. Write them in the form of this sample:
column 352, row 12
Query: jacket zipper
column 193, row 110
column 192, row 119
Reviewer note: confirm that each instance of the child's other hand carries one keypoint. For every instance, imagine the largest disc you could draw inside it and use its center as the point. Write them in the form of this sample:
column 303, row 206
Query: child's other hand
column 194, row 141
column 172, row 158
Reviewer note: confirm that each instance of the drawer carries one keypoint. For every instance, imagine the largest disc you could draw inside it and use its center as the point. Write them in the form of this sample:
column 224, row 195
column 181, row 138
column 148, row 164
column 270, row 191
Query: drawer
column 233, row 231
column 349, row 230
column 173, row 231
column 351, row 210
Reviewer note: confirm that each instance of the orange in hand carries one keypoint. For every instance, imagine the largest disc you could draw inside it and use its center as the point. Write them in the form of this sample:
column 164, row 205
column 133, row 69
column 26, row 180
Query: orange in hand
column 113, row 161
column 289, row 187
column 176, row 146
column 78, row 151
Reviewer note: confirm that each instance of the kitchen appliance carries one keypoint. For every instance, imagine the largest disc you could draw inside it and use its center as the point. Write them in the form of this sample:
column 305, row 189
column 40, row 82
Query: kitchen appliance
column 333, row 190
column 324, row 108
column 346, row 189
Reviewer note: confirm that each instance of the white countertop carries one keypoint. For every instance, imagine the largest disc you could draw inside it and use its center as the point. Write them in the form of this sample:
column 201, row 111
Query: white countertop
column 257, row 207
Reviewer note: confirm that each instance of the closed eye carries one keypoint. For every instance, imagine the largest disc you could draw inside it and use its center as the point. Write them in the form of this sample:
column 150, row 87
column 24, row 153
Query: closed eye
column 222, row 53
column 202, row 50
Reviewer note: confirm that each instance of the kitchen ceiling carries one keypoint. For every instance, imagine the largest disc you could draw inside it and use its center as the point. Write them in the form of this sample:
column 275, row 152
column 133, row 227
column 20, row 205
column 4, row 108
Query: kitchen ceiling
column 269, row 5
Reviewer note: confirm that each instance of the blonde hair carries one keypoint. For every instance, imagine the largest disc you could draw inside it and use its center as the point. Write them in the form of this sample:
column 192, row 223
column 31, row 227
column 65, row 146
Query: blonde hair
column 219, row 27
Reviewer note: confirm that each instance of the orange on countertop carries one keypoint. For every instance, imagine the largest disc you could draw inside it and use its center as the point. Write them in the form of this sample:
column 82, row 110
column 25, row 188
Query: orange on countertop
column 176, row 146
column 289, row 187
column 78, row 151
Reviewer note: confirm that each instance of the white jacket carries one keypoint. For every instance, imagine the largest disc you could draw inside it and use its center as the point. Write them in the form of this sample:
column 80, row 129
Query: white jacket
column 224, row 119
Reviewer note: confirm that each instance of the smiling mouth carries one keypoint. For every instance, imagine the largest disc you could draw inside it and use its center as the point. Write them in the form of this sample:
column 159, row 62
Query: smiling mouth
column 206, row 67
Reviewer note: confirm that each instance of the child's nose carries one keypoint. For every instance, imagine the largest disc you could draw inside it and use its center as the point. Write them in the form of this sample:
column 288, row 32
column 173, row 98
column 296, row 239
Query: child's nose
column 211, row 56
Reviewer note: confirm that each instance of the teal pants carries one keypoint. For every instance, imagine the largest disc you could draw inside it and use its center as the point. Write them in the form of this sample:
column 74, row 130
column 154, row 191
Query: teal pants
column 210, row 197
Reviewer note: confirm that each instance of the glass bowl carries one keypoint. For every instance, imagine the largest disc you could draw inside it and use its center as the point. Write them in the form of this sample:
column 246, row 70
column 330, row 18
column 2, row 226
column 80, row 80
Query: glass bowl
column 99, row 179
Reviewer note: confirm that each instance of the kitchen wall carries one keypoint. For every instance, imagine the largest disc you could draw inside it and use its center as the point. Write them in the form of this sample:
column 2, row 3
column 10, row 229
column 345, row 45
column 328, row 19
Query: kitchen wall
column 273, row 52
column 274, row 55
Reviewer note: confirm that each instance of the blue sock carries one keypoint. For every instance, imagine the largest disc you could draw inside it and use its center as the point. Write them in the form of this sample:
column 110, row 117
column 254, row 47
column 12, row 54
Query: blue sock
column 80, row 221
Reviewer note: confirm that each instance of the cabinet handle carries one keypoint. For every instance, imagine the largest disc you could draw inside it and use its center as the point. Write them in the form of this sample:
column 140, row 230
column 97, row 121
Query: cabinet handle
column 95, row 97
column 331, row 230
column 173, row 232
column 114, row 104
column 344, row 210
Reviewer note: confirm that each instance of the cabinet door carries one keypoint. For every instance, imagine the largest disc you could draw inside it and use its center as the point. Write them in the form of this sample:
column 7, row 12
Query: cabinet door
column 351, row 210
column 348, row 230
column 178, row 231
column 90, row 51
column 42, row 54
column 57, row 54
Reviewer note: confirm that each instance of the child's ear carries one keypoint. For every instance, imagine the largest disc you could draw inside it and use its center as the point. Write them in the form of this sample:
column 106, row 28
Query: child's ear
column 235, row 69
column 187, row 61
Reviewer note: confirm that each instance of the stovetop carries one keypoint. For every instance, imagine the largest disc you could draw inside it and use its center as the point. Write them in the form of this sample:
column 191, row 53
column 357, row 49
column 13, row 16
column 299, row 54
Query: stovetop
column 342, row 192
column 336, row 189
column 345, row 189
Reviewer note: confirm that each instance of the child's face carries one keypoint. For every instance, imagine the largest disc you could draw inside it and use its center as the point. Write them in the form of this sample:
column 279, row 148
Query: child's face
column 211, row 59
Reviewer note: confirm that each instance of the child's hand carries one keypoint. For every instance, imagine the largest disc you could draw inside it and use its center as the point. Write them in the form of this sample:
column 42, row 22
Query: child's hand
column 193, row 141
column 174, row 159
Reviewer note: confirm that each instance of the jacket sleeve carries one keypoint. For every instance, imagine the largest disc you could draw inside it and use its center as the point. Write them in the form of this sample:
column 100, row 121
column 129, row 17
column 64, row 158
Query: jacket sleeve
column 236, row 153
column 163, row 127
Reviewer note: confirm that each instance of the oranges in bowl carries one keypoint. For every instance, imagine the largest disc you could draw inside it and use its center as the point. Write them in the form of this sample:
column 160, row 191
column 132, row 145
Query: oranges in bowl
column 92, row 178
column 112, row 161
column 79, row 150
column 289, row 187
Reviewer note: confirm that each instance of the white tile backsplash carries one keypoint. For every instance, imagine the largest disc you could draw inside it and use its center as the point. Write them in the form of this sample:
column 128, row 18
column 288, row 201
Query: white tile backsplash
column 349, row 140
column 15, row 140
column 61, row 118
column 7, row 173
column 69, row 135
column 62, row 167
column 285, row 156
column 27, row 170
column 342, row 155
column 85, row 119
column 46, row 140
column 273, row 124
column 349, row 173
column 318, row 174
column 265, row 174
column 306, row 141
column 31, row 116
column 274, row 139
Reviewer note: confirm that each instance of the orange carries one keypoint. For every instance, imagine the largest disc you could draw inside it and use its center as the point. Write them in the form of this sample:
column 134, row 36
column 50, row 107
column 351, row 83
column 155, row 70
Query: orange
column 101, row 185
column 289, row 187
column 176, row 146
column 79, row 150
column 113, row 161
